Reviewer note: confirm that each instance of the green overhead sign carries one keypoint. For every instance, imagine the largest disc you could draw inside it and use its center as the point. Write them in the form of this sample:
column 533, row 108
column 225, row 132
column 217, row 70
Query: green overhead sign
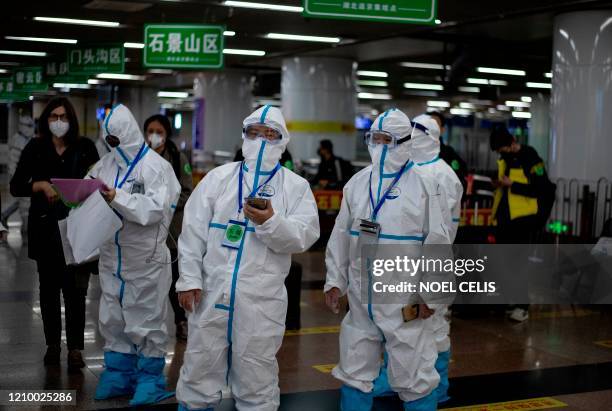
column 7, row 90
column 83, row 60
column 181, row 46
column 29, row 79
column 57, row 72
column 392, row 11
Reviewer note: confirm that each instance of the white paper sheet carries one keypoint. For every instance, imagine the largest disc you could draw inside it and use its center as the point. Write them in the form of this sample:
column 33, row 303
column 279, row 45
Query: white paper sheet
column 90, row 226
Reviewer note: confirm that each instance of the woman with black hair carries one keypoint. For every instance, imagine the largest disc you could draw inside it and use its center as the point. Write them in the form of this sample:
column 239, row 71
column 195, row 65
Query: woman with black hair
column 157, row 134
column 58, row 153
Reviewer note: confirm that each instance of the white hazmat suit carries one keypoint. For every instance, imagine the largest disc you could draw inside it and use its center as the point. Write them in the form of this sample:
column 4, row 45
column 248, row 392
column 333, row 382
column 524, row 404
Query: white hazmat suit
column 411, row 215
column 237, row 328
column 424, row 149
column 135, row 267
column 425, row 152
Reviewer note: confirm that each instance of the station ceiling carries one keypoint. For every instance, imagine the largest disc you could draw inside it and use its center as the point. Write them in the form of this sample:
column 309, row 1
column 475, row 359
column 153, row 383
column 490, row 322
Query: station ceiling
column 472, row 33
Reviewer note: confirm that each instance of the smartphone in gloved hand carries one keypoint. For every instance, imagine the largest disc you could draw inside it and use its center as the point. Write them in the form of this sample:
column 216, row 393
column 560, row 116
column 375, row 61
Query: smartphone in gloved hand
column 410, row 312
column 256, row 202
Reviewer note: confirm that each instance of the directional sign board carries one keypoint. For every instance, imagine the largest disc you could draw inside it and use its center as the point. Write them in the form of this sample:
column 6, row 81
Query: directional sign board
column 7, row 90
column 393, row 11
column 182, row 46
column 29, row 79
column 96, row 59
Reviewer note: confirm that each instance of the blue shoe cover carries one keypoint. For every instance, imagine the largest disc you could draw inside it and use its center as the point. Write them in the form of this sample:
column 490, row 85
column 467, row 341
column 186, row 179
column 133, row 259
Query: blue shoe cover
column 181, row 407
column 442, row 368
column 381, row 384
column 428, row 403
column 382, row 388
column 118, row 377
column 351, row 399
column 150, row 382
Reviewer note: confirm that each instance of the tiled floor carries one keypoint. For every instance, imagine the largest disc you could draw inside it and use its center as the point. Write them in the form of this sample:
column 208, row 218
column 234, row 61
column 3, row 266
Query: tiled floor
column 484, row 348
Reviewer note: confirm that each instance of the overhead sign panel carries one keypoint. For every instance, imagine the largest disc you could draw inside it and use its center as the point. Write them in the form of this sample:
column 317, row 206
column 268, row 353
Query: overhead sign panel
column 8, row 92
column 29, row 79
column 96, row 59
column 181, row 46
column 393, row 11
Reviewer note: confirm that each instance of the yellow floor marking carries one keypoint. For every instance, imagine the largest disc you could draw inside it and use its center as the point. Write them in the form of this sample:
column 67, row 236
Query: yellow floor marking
column 324, row 368
column 579, row 312
column 543, row 403
column 331, row 329
column 605, row 343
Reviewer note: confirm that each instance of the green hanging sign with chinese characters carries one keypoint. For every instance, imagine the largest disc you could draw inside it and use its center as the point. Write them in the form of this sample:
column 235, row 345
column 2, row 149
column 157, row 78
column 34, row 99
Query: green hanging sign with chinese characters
column 391, row 11
column 181, row 46
column 29, row 79
column 57, row 72
column 7, row 90
column 95, row 59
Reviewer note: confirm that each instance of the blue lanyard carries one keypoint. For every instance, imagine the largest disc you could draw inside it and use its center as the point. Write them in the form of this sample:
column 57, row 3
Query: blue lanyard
column 240, row 178
column 376, row 208
column 141, row 153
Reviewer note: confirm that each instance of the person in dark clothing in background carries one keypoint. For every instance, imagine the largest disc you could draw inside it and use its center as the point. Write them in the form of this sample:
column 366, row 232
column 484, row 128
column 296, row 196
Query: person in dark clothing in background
column 522, row 200
column 58, row 153
column 334, row 172
column 448, row 154
column 157, row 131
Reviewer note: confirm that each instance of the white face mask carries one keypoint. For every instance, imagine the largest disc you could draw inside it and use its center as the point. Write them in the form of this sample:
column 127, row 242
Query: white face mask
column 391, row 160
column 156, row 140
column 59, row 128
column 270, row 156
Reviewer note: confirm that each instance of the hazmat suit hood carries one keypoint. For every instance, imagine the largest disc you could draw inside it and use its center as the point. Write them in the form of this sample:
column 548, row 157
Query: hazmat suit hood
column 385, row 160
column 261, row 156
column 121, row 123
column 26, row 126
column 424, row 146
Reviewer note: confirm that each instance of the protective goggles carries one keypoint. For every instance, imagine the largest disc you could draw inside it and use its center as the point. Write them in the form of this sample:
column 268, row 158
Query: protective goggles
column 375, row 137
column 263, row 132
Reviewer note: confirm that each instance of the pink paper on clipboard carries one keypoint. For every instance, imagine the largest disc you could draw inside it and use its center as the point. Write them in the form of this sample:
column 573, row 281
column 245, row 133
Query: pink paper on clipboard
column 75, row 190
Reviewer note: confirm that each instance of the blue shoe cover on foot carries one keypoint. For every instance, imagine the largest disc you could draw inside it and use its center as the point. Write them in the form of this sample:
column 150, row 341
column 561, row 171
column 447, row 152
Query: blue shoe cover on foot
column 351, row 399
column 150, row 382
column 428, row 403
column 118, row 377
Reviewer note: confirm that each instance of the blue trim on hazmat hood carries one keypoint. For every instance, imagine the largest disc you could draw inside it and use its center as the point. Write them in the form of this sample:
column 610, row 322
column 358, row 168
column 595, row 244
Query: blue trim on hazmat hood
column 264, row 113
column 382, row 118
column 108, row 117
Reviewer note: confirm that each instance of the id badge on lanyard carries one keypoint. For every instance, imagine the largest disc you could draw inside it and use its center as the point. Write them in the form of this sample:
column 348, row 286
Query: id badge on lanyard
column 234, row 233
column 368, row 232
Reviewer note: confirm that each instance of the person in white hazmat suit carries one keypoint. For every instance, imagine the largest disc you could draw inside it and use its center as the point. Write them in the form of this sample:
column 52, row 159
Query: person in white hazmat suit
column 404, row 206
column 135, row 266
column 424, row 151
column 25, row 132
column 233, row 262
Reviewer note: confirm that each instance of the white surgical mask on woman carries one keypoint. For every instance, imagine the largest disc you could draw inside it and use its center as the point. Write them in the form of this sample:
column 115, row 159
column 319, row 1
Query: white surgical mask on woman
column 156, row 140
column 59, row 128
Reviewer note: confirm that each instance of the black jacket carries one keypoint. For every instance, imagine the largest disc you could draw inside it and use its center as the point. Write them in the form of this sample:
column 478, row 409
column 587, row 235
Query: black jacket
column 40, row 162
column 328, row 170
column 450, row 156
